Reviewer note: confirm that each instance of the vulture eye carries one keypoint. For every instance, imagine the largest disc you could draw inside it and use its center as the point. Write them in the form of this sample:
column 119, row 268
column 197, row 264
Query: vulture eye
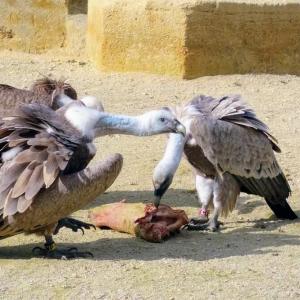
column 163, row 119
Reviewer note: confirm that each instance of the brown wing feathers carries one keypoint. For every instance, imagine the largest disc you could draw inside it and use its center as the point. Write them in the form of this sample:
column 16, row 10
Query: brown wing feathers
column 45, row 153
column 48, row 86
column 234, row 110
column 245, row 150
column 42, row 92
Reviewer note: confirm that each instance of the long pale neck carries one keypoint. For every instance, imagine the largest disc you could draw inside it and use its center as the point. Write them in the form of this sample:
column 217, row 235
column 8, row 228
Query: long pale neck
column 120, row 124
column 173, row 152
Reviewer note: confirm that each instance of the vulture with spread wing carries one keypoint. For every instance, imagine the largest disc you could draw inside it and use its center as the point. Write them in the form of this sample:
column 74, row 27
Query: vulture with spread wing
column 230, row 151
column 43, row 159
column 52, row 93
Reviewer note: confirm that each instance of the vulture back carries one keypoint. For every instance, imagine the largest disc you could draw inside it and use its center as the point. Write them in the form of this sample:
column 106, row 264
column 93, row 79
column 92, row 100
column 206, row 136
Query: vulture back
column 40, row 92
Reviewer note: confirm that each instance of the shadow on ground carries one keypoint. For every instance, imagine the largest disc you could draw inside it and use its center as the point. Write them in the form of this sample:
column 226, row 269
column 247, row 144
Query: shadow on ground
column 197, row 246
column 246, row 237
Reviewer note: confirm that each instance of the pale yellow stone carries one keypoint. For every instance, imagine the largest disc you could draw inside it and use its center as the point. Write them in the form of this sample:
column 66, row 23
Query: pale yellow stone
column 192, row 38
column 32, row 25
column 243, row 38
column 136, row 36
column 76, row 35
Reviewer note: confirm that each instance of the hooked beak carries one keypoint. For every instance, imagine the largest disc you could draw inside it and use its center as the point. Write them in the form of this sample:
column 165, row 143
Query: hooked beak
column 180, row 128
column 156, row 200
column 159, row 190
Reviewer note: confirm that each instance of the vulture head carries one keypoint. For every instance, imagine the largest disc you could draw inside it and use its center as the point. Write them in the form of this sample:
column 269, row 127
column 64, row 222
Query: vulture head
column 159, row 121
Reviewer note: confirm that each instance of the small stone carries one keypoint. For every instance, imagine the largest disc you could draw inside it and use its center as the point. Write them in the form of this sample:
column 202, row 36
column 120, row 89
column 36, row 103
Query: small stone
column 260, row 225
column 71, row 61
column 237, row 83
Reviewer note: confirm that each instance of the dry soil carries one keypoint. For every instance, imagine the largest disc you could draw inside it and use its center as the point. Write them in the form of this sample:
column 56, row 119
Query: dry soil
column 254, row 256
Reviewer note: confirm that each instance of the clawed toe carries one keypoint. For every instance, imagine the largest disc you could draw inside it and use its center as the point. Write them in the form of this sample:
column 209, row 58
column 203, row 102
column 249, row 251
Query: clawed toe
column 199, row 226
column 199, row 220
column 53, row 253
column 73, row 224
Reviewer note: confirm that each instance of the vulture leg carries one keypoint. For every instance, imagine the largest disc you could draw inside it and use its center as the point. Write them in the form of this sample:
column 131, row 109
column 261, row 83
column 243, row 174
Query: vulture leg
column 205, row 190
column 50, row 251
column 73, row 224
column 223, row 191
column 218, row 200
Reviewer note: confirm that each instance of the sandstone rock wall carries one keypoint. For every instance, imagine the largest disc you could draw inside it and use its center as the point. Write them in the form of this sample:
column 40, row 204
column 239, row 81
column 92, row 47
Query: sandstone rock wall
column 187, row 38
column 242, row 38
column 76, row 26
column 136, row 36
column 32, row 25
column 192, row 38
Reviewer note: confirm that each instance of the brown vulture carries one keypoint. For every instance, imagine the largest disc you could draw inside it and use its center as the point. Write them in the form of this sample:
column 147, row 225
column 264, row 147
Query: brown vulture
column 230, row 151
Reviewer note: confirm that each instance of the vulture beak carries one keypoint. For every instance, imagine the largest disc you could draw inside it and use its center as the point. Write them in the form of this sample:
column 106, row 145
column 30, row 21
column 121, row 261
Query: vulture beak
column 156, row 201
column 159, row 190
column 180, row 128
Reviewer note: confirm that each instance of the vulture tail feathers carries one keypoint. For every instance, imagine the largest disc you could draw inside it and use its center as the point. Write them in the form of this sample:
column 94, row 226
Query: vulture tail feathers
column 275, row 191
column 282, row 210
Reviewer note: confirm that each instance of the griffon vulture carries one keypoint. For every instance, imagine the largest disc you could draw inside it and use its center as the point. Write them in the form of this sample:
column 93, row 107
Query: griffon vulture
column 53, row 93
column 58, row 93
column 41, row 148
column 230, row 151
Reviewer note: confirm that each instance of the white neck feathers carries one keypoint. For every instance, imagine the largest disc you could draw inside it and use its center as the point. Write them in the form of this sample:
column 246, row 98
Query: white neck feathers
column 173, row 153
column 118, row 124
column 83, row 119
column 91, row 122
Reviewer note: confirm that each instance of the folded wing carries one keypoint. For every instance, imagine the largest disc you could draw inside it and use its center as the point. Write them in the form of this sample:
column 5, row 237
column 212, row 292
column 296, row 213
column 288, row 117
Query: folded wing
column 35, row 147
column 235, row 141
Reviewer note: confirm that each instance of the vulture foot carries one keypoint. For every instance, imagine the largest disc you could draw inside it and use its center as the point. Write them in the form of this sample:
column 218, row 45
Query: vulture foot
column 50, row 251
column 73, row 224
column 200, row 226
column 200, row 220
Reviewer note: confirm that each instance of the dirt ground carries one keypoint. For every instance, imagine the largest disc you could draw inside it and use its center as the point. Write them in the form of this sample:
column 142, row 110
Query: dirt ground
column 253, row 256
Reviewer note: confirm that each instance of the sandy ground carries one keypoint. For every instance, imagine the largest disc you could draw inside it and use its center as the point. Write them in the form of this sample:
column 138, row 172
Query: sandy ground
column 253, row 256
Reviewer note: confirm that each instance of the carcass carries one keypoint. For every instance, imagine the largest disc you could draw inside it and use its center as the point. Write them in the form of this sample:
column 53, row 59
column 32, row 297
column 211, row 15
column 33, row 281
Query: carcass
column 142, row 220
